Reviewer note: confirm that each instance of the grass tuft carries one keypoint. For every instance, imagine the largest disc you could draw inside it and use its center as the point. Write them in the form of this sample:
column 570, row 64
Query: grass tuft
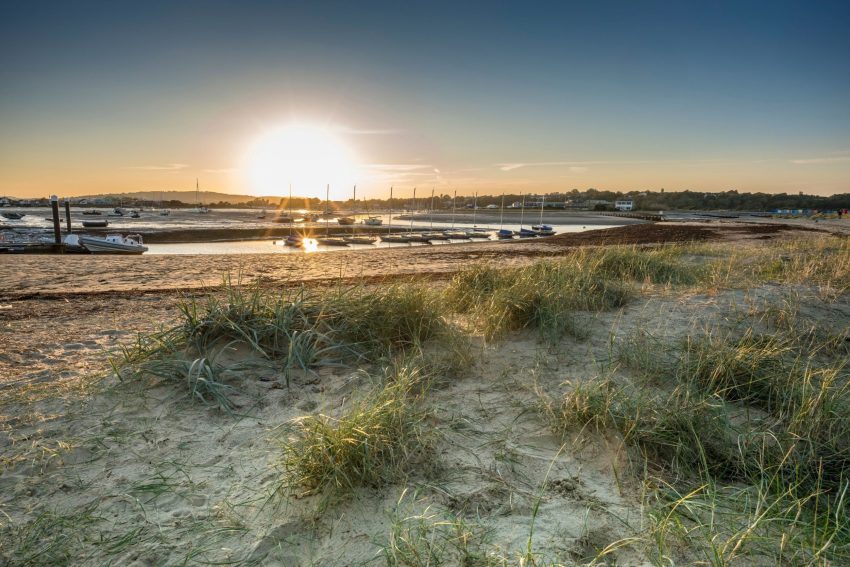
column 543, row 295
column 373, row 442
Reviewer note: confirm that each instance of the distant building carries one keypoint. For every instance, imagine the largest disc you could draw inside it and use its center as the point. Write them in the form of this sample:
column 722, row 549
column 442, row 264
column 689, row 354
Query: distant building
column 624, row 205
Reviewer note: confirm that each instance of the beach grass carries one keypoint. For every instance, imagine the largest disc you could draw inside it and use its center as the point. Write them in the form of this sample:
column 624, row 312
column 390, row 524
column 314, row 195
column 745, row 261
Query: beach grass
column 297, row 330
column 545, row 296
column 374, row 441
column 745, row 432
column 735, row 428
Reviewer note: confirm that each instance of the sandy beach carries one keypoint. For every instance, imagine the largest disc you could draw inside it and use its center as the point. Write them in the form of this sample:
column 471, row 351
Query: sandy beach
column 165, row 480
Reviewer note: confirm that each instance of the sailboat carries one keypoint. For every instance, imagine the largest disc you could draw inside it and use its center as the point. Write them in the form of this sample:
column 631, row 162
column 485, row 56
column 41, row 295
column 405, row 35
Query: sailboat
column 346, row 220
column 452, row 233
column 390, row 236
column 354, row 238
column 198, row 207
column 439, row 235
column 504, row 233
column 540, row 228
column 524, row 232
column 163, row 212
column 327, row 239
column 477, row 232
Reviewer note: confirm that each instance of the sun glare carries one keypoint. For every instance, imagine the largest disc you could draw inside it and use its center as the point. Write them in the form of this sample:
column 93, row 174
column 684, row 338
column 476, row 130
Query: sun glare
column 308, row 157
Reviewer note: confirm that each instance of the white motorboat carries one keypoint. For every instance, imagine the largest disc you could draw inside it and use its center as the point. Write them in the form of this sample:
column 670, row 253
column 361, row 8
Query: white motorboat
column 112, row 244
column 373, row 221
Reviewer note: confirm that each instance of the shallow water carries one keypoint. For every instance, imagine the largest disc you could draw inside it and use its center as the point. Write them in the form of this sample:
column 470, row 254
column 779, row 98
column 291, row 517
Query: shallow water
column 36, row 221
column 276, row 246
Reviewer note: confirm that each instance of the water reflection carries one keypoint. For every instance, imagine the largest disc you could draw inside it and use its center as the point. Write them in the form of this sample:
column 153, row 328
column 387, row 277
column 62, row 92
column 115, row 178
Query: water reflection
column 310, row 245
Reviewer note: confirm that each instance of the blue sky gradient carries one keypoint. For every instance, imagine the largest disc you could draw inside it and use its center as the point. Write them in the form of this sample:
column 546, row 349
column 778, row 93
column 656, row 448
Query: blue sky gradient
column 495, row 96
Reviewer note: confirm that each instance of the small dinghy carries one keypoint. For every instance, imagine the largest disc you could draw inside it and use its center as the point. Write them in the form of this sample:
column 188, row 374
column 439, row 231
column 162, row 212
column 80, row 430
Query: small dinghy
column 112, row 244
column 395, row 238
column 331, row 241
column 360, row 239
column 100, row 223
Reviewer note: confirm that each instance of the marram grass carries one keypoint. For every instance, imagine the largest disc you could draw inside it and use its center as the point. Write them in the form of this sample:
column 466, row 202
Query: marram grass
column 373, row 442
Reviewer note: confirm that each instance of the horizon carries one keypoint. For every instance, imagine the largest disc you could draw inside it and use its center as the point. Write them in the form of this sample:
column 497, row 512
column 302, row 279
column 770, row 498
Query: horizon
column 98, row 98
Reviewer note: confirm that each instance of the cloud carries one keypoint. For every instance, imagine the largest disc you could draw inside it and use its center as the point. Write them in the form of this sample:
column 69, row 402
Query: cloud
column 821, row 160
column 167, row 167
column 510, row 166
column 576, row 166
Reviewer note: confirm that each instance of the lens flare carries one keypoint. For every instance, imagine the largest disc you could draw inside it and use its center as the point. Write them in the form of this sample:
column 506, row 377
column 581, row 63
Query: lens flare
column 307, row 157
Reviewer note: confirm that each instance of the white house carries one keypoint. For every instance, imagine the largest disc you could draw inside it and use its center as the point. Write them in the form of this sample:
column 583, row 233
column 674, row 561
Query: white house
column 625, row 205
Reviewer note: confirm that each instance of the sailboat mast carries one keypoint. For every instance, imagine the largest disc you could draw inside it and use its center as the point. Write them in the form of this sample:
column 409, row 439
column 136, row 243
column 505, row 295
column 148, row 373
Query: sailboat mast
column 543, row 200
column 414, row 210
column 502, row 212
column 432, row 208
column 522, row 211
column 390, row 227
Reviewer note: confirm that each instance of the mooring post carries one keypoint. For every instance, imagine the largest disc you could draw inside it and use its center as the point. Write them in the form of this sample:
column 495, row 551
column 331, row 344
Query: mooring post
column 57, row 232
column 68, row 215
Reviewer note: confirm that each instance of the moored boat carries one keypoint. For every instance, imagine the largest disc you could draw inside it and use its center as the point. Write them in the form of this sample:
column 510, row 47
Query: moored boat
column 360, row 239
column 99, row 223
column 345, row 221
column 457, row 235
column 294, row 240
column 505, row 234
column 543, row 229
column 395, row 238
column 112, row 244
column 418, row 237
column 92, row 212
column 527, row 233
column 331, row 241
column 373, row 221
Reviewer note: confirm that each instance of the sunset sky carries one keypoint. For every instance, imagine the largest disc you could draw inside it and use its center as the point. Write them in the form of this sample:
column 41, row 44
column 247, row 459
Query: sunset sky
column 494, row 96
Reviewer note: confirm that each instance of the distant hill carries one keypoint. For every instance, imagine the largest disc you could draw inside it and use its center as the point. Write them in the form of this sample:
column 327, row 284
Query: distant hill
column 184, row 196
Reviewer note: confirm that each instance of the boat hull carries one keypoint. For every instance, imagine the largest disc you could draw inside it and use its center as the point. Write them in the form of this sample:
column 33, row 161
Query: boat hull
column 100, row 246
column 95, row 223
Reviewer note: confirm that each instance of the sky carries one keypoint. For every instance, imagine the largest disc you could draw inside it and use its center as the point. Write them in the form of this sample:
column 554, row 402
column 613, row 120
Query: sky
column 488, row 97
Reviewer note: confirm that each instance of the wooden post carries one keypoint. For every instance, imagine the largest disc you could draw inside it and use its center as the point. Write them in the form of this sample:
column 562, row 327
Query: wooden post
column 57, row 231
column 68, row 215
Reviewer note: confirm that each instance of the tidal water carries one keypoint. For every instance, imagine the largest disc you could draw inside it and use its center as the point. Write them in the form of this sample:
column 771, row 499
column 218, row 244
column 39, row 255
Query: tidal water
column 212, row 228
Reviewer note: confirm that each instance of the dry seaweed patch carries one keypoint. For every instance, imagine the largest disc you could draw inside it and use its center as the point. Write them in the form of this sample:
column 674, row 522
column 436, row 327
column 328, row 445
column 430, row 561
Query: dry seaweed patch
column 668, row 433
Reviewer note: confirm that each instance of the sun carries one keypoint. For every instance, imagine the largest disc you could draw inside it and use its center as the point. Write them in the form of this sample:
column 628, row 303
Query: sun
column 305, row 156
